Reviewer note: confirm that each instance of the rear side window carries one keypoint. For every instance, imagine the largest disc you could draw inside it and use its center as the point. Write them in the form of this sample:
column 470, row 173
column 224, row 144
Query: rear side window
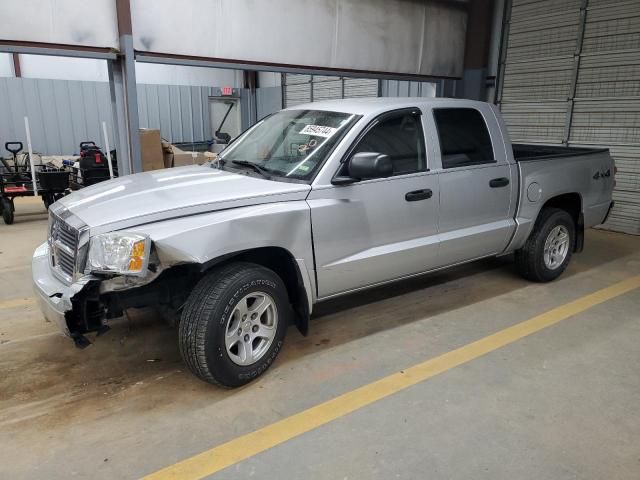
column 464, row 137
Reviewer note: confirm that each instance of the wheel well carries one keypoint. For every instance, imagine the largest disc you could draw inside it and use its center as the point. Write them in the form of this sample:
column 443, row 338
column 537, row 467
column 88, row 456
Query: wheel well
column 173, row 286
column 284, row 265
column 572, row 204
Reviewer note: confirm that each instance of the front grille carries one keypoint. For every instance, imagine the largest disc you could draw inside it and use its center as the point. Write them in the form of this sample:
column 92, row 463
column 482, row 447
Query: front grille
column 63, row 244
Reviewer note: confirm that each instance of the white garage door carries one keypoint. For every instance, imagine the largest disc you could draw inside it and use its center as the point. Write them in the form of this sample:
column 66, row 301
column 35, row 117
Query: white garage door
column 571, row 74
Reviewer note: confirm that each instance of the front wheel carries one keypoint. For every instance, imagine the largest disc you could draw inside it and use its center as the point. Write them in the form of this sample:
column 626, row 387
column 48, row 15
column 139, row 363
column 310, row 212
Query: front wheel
column 548, row 249
column 233, row 324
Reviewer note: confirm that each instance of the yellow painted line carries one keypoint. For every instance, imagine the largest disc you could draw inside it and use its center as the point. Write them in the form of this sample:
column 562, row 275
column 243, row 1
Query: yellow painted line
column 246, row 446
column 16, row 303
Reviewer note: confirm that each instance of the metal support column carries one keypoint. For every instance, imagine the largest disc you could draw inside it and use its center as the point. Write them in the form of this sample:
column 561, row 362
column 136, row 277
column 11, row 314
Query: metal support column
column 502, row 55
column 124, row 96
column 119, row 113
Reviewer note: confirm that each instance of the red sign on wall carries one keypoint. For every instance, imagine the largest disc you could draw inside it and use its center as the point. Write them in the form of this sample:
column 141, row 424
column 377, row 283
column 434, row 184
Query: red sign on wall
column 227, row 90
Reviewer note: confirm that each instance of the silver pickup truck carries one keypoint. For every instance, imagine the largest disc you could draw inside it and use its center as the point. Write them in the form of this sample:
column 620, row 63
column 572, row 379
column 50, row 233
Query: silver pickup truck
column 313, row 202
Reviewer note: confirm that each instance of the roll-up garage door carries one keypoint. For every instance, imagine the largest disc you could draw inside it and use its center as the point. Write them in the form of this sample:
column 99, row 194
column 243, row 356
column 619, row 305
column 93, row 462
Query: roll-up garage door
column 570, row 73
column 313, row 88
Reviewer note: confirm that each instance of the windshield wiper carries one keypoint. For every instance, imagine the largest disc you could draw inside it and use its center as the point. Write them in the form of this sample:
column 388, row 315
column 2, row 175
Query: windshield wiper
column 258, row 168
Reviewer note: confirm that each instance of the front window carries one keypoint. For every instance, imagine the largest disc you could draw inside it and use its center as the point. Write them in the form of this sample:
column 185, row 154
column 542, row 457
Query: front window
column 290, row 144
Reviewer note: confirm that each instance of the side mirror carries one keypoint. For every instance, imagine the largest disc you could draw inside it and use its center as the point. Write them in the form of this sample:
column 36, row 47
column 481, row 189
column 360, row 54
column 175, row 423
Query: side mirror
column 366, row 165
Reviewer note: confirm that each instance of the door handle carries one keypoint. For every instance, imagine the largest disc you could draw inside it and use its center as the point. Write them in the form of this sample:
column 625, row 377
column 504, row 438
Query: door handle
column 499, row 182
column 417, row 195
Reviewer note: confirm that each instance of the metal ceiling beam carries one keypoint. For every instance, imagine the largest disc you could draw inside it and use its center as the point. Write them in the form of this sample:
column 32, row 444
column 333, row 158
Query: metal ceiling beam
column 36, row 48
column 169, row 59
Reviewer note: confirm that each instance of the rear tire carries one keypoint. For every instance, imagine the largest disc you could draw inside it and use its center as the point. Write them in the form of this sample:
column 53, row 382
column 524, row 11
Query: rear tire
column 225, row 337
column 548, row 250
column 7, row 211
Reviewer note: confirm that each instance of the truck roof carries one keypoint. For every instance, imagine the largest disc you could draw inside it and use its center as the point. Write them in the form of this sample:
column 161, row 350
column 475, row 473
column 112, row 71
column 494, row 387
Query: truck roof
column 375, row 105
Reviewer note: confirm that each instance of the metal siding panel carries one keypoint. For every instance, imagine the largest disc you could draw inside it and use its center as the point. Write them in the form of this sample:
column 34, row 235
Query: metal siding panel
column 360, row 87
column 535, row 122
column 606, row 122
column 17, row 107
column 65, row 119
column 153, row 102
column 186, row 113
column 64, row 113
column 296, row 79
column 33, row 110
column 104, row 107
column 49, row 116
column 76, row 99
column 143, row 111
column 206, row 116
column 295, row 94
column 6, row 115
column 326, row 88
column 543, row 79
column 612, row 26
column 90, row 104
column 175, row 119
column 197, row 114
column 269, row 100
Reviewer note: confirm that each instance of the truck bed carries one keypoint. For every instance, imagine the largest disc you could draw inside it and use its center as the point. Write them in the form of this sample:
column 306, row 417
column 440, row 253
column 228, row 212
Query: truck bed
column 523, row 152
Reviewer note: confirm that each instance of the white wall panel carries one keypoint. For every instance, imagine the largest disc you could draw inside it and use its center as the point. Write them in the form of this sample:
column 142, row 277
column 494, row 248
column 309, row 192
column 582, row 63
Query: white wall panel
column 64, row 68
column 6, row 65
column 71, row 22
column 152, row 73
column 92, row 70
column 402, row 36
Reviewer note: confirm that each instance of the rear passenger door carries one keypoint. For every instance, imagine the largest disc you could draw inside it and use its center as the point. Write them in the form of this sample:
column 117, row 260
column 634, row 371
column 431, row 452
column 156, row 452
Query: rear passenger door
column 476, row 183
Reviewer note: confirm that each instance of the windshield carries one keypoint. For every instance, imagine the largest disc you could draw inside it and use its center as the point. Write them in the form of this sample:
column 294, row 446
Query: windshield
column 290, row 143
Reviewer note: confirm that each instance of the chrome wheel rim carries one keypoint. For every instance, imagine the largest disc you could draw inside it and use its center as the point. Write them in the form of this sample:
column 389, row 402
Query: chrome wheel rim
column 251, row 328
column 556, row 247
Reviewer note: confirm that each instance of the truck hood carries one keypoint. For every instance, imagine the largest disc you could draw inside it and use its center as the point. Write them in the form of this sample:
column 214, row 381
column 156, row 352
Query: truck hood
column 175, row 192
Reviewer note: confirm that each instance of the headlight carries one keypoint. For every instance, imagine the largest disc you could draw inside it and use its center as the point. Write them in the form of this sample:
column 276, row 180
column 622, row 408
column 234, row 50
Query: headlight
column 119, row 252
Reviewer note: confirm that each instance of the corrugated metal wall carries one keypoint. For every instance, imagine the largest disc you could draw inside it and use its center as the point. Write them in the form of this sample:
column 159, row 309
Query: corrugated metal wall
column 314, row 88
column 306, row 88
column 402, row 88
column 180, row 112
column 571, row 74
column 63, row 113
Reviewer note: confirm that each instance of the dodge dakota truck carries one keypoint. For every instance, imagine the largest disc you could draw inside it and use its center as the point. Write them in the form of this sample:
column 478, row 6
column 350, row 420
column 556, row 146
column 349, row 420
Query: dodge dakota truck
column 312, row 202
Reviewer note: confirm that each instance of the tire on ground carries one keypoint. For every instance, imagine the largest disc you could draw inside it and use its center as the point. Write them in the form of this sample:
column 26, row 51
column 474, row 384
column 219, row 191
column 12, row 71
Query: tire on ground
column 203, row 323
column 7, row 211
column 530, row 258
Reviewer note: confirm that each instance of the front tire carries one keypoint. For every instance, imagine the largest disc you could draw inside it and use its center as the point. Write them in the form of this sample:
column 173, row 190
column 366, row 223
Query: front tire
column 548, row 250
column 234, row 323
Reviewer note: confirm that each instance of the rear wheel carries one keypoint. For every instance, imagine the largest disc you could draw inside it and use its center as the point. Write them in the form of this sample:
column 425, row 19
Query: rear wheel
column 233, row 324
column 7, row 210
column 548, row 249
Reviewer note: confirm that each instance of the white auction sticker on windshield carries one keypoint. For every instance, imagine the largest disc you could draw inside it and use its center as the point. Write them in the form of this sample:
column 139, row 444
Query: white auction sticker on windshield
column 318, row 131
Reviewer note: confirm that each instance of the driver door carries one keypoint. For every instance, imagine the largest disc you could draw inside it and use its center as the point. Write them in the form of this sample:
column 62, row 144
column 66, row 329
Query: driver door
column 377, row 230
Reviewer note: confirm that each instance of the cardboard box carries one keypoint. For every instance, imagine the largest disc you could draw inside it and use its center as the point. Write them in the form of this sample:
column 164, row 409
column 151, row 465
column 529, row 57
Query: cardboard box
column 175, row 157
column 151, row 149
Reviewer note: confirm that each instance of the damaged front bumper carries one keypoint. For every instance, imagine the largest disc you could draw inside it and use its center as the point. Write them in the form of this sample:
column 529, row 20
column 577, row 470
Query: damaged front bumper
column 55, row 298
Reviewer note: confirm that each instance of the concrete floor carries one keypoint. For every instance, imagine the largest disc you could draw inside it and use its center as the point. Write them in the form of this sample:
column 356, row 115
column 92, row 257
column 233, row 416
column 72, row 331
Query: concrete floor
column 562, row 403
